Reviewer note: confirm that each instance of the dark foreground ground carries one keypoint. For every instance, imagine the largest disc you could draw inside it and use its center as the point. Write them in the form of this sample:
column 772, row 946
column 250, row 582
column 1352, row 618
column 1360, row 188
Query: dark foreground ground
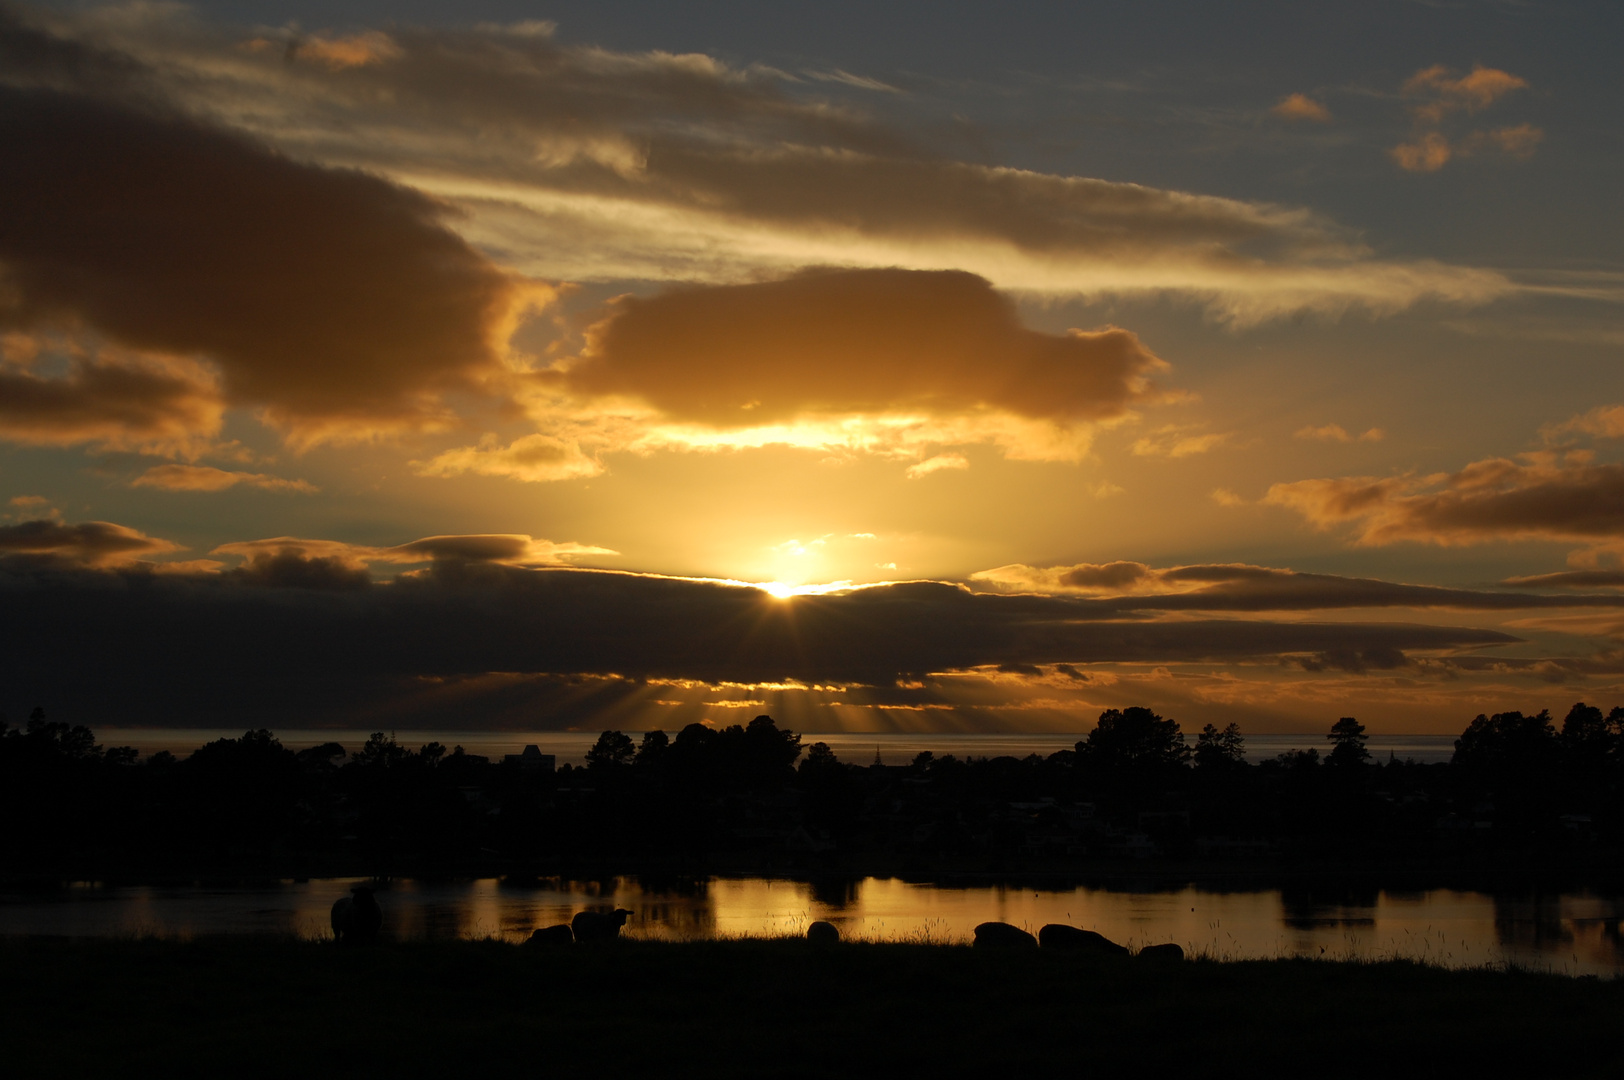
column 260, row 1007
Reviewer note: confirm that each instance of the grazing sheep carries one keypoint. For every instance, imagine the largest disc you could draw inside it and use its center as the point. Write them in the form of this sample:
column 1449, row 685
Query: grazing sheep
column 1070, row 938
column 1001, row 935
column 1168, row 953
column 598, row 925
column 357, row 917
column 560, row 934
column 823, row 933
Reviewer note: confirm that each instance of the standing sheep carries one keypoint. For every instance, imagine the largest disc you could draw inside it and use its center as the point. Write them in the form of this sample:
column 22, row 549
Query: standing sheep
column 598, row 925
column 357, row 917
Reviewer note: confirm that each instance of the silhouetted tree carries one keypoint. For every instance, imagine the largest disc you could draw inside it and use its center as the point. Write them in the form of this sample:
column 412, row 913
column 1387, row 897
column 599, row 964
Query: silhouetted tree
column 651, row 753
column 320, row 757
column 613, row 750
column 1515, row 762
column 819, row 758
column 1349, row 736
column 382, row 752
column 247, row 788
column 772, row 751
column 1298, row 760
column 1134, row 738
column 1216, row 749
column 1588, row 736
column 1505, row 740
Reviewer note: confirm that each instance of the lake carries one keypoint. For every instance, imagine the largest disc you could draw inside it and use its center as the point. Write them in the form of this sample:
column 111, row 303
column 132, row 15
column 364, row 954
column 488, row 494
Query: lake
column 1571, row 933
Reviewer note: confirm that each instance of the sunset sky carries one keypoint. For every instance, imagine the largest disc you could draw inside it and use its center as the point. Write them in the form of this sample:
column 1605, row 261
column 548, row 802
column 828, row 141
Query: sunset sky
column 903, row 367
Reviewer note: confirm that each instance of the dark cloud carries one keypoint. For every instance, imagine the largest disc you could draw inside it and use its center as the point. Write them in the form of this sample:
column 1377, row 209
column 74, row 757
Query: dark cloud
column 33, row 55
column 854, row 341
column 115, row 402
column 335, row 301
column 1019, row 669
column 517, row 549
column 292, row 569
column 1262, row 589
column 500, row 547
column 89, row 543
column 1114, row 575
column 202, row 648
column 1379, row 658
column 1237, row 587
column 1544, row 496
column 1569, row 579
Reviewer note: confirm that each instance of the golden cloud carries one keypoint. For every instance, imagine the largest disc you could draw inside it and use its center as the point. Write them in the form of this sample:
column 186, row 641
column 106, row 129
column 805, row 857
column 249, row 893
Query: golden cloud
column 1337, row 433
column 1474, row 91
column 207, row 478
column 854, row 342
column 1518, row 141
column 110, row 398
column 338, row 53
column 1431, row 149
column 1605, row 421
column 534, row 458
column 1429, row 153
column 1175, row 442
column 1543, row 496
column 937, row 464
column 894, row 362
column 1301, row 107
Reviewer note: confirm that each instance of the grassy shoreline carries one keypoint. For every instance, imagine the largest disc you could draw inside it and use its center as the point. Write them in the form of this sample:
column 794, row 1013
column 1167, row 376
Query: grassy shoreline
column 267, row 1006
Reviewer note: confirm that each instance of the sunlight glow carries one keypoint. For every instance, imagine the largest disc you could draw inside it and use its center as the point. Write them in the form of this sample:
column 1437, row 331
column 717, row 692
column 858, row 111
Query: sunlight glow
column 784, row 590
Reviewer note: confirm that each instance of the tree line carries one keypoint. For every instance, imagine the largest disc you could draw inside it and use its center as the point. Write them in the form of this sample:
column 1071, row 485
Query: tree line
column 753, row 797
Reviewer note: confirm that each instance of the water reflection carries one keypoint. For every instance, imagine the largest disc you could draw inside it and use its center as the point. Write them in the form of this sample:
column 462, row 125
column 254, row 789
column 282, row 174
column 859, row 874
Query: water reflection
column 1577, row 933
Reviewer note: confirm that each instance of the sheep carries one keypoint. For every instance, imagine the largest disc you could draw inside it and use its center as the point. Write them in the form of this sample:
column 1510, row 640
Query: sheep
column 1001, row 935
column 561, row 934
column 823, row 933
column 1070, row 938
column 357, row 917
column 1161, row 953
column 598, row 925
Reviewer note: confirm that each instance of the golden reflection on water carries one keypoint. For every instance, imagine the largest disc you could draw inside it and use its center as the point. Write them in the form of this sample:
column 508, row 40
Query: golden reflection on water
column 1576, row 933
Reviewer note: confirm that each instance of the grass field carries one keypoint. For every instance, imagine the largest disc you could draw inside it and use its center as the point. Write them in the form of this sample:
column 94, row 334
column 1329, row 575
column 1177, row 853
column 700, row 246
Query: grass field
column 266, row 1007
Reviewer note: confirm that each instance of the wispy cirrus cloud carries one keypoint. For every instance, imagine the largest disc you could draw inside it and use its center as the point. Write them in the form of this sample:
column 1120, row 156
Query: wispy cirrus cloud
column 1173, row 441
column 586, row 164
column 937, row 464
